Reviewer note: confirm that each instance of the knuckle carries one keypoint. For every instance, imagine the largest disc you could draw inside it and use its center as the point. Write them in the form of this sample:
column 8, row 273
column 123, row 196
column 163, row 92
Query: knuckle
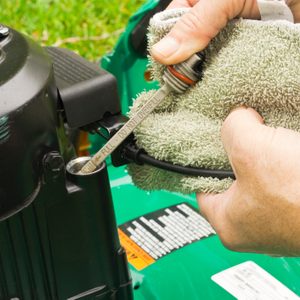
column 191, row 22
column 242, row 155
column 232, row 226
column 228, row 230
column 229, row 241
column 244, row 144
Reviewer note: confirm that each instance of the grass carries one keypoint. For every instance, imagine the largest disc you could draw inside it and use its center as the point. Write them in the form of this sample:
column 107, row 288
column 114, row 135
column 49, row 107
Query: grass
column 90, row 27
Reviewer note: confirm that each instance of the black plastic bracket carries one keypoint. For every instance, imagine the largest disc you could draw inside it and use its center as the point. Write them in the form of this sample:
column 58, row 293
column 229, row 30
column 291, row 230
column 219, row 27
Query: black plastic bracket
column 88, row 93
column 112, row 124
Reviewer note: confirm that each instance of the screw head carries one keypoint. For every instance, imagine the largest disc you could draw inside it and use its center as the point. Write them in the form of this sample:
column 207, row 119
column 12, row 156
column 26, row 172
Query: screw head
column 4, row 31
column 54, row 162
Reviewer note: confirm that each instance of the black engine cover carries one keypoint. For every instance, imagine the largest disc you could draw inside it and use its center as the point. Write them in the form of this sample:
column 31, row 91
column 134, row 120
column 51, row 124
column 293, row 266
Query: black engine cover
column 28, row 99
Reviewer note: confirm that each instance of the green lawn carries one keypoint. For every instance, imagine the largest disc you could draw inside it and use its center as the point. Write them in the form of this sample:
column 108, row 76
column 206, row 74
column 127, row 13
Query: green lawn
column 89, row 27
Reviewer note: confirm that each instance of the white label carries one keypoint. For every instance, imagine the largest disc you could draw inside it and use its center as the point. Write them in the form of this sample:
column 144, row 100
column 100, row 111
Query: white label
column 250, row 282
column 166, row 230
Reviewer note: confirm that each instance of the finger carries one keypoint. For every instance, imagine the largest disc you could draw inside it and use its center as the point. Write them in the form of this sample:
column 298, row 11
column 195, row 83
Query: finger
column 196, row 28
column 243, row 134
column 213, row 207
column 217, row 208
column 295, row 8
column 182, row 3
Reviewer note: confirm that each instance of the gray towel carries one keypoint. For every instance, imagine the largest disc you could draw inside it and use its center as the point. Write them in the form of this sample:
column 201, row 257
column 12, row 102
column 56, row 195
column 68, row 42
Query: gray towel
column 252, row 63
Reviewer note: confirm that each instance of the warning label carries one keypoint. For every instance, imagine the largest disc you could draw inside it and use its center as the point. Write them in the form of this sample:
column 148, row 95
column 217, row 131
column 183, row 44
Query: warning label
column 157, row 234
column 135, row 254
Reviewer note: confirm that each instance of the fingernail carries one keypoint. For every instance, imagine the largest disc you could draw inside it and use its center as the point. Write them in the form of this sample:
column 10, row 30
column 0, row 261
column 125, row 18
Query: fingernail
column 166, row 47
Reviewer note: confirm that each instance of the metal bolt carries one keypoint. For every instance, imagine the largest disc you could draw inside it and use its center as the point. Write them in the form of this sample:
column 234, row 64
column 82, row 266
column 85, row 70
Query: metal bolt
column 54, row 162
column 4, row 31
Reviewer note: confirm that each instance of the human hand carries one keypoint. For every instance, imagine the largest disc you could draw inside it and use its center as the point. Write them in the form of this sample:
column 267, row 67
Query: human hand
column 260, row 212
column 197, row 27
column 294, row 6
column 206, row 18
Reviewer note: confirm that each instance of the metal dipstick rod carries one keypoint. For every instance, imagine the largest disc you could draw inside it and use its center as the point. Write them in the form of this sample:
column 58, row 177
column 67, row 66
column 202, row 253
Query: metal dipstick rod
column 177, row 78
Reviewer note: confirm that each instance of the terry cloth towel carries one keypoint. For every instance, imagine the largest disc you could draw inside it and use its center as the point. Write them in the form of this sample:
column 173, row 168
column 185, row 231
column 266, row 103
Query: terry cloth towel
column 252, row 63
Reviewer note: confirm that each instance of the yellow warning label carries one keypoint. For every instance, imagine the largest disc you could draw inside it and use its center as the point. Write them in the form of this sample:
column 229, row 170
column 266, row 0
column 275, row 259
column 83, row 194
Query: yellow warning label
column 135, row 254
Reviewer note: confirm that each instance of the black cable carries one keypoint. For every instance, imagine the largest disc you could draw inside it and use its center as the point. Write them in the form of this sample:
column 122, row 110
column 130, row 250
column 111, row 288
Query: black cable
column 140, row 157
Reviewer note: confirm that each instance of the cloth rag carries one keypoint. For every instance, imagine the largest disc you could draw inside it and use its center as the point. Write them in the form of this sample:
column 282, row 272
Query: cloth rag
column 250, row 62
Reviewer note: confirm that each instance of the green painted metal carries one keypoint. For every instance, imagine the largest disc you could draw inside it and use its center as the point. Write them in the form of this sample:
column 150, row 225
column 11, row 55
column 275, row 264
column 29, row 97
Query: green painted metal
column 127, row 65
column 185, row 273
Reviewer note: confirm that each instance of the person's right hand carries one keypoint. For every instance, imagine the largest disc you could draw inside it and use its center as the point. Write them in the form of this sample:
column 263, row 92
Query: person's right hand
column 294, row 6
column 260, row 212
column 196, row 28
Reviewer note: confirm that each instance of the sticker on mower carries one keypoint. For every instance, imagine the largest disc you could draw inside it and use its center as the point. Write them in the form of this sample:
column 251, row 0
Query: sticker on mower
column 249, row 281
column 154, row 235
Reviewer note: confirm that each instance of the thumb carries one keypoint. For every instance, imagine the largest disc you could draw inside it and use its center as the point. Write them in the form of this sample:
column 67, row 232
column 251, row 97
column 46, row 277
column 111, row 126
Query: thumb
column 240, row 131
column 244, row 137
column 198, row 26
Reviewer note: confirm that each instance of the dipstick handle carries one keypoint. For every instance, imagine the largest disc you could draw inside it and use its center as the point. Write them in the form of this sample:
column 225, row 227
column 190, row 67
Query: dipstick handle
column 177, row 78
column 126, row 130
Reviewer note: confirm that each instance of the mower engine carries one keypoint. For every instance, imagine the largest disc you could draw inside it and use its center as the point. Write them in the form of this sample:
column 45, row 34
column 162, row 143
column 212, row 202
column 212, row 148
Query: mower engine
column 58, row 235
